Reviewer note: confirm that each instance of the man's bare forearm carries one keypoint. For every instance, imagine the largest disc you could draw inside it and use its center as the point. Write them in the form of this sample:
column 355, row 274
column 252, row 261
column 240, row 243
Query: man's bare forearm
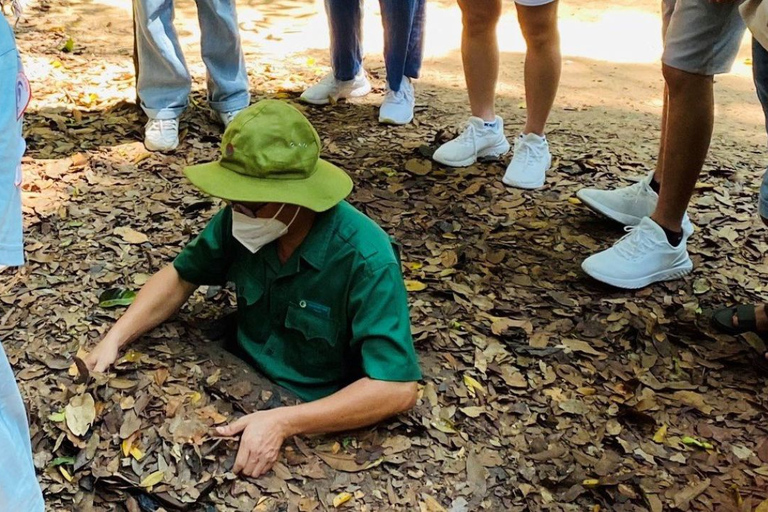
column 360, row 404
column 159, row 299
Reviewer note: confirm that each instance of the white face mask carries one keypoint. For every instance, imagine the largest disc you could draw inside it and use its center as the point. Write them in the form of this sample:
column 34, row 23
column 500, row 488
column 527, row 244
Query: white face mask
column 255, row 233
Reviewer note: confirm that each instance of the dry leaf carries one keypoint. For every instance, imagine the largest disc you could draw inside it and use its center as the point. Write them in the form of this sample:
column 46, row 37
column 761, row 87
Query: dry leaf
column 80, row 413
column 130, row 235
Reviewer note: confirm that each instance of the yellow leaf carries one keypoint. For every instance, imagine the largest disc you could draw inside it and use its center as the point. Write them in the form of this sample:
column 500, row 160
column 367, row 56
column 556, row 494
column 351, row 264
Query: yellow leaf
column 414, row 265
column 195, row 397
column 341, row 499
column 414, row 286
column 126, row 446
column 473, row 385
column 131, row 357
column 763, row 507
column 152, row 479
column 574, row 200
column 65, row 474
column 590, row 483
column 136, row 453
column 660, row 435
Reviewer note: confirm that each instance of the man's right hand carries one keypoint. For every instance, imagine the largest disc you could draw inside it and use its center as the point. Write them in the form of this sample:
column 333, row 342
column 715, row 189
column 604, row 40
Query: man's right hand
column 103, row 356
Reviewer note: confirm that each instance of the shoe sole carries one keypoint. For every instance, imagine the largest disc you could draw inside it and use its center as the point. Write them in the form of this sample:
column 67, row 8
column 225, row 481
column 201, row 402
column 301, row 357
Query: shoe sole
column 493, row 152
column 621, row 218
column 150, row 147
column 354, row 93
column 635, row 284
column 386, row 120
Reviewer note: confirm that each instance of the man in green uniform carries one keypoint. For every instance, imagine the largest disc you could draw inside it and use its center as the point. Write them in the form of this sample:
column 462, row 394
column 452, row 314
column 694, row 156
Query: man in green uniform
column 322, row 307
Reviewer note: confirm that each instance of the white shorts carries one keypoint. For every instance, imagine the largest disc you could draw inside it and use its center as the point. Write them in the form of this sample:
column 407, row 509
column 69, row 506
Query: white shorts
column 533, row 3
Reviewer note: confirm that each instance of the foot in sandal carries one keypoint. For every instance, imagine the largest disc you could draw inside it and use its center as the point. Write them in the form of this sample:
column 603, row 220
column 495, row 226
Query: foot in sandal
column 744, row 318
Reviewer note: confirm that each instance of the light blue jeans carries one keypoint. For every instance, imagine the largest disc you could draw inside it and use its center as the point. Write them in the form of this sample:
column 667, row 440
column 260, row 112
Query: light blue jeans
column 13, row 99
column 163, row 79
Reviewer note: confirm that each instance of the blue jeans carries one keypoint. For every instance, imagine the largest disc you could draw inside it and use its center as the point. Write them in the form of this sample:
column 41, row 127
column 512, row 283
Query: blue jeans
column 163, row 82
column 760, row 70
column 403, row 22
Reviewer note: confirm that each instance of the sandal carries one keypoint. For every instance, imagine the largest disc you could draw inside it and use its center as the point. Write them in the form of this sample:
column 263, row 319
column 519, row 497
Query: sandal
column 722, row 319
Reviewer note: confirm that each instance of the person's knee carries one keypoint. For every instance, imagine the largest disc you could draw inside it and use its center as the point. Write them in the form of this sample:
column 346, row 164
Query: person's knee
column 480, row 16
column 542, row 37
column 677, row 79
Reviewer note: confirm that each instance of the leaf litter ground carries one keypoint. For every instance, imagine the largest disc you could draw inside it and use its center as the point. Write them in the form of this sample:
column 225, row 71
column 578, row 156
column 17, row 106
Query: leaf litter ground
column 543, row 390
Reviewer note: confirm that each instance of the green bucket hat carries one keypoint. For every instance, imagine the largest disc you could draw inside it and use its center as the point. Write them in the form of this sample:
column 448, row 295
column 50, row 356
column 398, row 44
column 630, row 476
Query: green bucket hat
column 270, row 153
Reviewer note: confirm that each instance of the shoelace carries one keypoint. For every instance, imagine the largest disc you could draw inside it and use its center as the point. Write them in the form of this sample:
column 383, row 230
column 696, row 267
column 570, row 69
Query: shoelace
column 468, row 137
column 634, row 243
column 528, row 151
column 162, row 125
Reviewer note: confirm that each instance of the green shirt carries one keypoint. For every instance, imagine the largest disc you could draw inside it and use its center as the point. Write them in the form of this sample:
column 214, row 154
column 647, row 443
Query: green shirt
column 335, row 312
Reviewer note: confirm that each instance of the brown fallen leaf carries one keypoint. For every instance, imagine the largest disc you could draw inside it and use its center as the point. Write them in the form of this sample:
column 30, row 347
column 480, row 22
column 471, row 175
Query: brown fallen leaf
column 346, row 462
column 130, row 235
column 80, row 413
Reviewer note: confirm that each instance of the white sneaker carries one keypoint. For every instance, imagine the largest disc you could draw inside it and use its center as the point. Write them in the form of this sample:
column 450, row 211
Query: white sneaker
column 627, row 205
column 161, row 134
column 397, row 107
column 530, row 163
column 643, row 256
column 227, row 117
column 476, row 141
column 330, row 90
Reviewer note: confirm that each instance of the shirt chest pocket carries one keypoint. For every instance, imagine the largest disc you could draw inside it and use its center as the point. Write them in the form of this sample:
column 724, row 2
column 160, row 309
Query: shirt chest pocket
column 311, row 326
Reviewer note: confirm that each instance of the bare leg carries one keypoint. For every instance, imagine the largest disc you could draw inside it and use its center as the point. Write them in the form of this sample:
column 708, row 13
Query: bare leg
column 480, row 54
column 690, row 120
column 542, row 62
column 657, row 176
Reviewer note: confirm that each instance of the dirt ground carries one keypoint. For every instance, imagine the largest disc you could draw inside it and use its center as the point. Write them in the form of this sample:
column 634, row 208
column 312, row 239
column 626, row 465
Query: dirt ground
column 543, row 390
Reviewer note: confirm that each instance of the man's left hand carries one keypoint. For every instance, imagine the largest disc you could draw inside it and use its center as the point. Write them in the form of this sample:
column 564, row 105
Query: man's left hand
column 262, row 436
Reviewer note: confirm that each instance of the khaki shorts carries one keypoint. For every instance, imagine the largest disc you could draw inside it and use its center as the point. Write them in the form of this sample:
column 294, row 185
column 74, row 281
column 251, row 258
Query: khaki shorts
column 700, row 36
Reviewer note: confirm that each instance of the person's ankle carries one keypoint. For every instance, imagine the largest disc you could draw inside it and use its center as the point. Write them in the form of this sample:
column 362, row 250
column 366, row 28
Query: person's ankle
column 655, row 185
column 674, row 235
column 761, row 318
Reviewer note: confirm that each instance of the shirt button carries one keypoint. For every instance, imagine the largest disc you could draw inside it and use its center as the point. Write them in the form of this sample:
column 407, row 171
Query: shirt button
column 303, row 304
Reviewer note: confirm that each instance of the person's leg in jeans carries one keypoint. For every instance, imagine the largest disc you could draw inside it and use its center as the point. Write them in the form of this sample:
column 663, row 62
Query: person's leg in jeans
column 347, row 78
column 345, row 21
column 532, row 159
column 13, row 99
column 760, row 72
column 223, row 56
column 164, row 82
column 403, row 22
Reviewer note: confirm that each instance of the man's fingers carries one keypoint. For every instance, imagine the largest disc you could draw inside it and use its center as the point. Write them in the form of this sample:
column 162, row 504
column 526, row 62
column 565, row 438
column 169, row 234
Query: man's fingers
column 233, row 428
column 263, row 466
column 241, row 460
column 250, row 468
